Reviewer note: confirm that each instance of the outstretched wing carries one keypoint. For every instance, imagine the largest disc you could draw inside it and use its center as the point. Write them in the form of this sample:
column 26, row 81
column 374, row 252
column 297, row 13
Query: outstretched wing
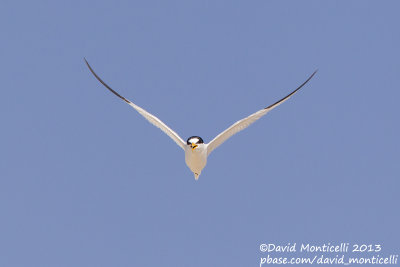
column 244, row 123
column 151, row 118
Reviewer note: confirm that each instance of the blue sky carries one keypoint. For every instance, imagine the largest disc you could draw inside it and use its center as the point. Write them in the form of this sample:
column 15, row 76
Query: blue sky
column 86, row 181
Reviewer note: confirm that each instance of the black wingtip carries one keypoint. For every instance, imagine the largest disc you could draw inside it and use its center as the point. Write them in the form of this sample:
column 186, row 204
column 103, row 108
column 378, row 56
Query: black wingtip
column 292, row 93
column 103, row 83
column 309, row 78
column 314, row 73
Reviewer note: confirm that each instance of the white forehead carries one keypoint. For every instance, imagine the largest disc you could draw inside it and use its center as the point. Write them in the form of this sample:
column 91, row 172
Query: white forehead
column 194, row 140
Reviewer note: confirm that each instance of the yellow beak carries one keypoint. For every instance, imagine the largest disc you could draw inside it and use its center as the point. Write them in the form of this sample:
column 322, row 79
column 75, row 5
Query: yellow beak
column 193, row 146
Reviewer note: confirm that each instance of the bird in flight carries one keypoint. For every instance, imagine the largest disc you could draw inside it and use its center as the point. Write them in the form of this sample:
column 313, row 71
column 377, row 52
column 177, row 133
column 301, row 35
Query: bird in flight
column 196, row 151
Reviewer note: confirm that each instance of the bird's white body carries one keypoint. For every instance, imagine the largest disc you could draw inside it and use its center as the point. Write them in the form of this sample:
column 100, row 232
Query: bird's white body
column 196, row 151
column 196, row 159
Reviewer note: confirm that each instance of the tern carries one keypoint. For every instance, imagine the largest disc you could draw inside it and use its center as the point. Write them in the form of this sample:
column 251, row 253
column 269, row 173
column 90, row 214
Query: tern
column 196, row 151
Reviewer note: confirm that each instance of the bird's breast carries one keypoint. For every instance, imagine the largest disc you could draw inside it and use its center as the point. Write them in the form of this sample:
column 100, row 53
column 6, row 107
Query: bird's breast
column 196, row 159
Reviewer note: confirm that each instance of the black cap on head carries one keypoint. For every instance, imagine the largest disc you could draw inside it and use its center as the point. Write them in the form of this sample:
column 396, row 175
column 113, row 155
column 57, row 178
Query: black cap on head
column 194, row 140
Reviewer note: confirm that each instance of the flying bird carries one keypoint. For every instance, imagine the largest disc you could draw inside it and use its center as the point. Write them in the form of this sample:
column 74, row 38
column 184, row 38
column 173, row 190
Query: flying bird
column 196, row 151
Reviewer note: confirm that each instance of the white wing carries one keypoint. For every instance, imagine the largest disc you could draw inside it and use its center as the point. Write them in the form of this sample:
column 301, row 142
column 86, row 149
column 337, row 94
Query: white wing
column 244, row 123
column 151, row 118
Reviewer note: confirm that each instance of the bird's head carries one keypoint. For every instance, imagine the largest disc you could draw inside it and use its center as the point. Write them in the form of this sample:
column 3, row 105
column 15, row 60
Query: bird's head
column 194, row 142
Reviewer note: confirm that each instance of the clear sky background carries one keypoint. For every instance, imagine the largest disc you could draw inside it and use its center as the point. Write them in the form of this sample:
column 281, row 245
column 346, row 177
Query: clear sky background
column 86, row 181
